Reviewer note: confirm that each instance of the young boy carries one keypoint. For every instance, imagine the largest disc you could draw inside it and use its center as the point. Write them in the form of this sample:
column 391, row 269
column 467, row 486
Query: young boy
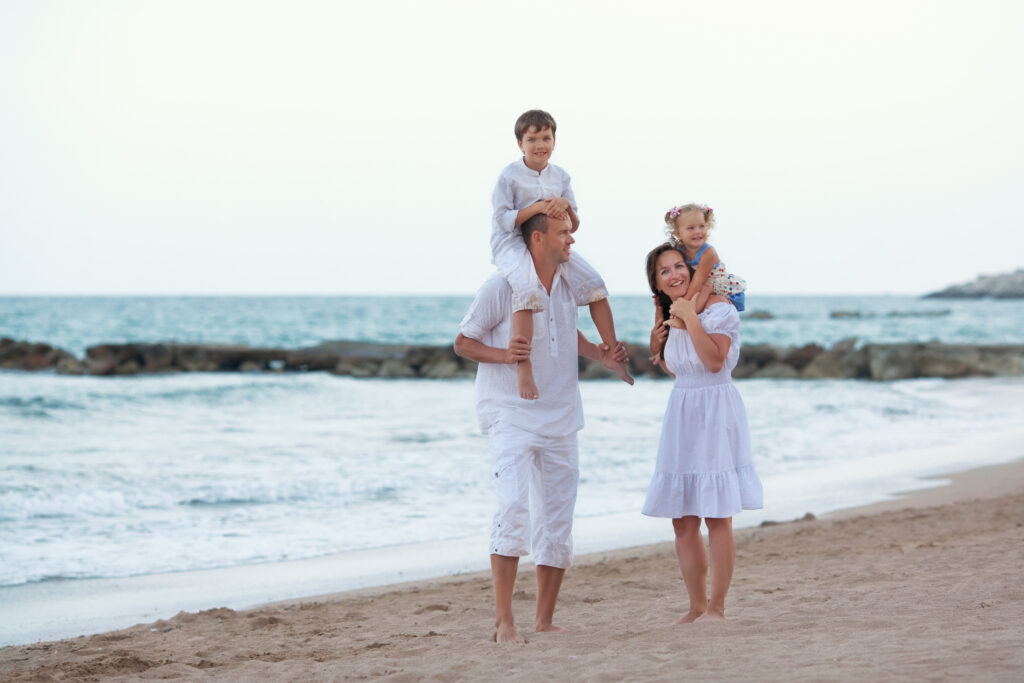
column 525, row 188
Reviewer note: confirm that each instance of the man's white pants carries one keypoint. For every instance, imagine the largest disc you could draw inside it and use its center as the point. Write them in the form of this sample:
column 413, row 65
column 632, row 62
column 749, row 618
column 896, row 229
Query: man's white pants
column 535, row 478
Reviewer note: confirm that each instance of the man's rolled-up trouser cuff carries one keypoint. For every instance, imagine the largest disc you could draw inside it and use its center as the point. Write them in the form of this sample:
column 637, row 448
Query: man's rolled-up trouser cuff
column 546, row 468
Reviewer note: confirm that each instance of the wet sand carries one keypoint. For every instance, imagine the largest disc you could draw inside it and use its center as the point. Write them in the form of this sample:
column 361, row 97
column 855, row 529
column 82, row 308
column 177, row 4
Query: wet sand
column 925, row 587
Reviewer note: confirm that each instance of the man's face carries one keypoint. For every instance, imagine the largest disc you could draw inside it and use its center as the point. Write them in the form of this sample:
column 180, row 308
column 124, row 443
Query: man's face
column 557, row 241
column 537, row 146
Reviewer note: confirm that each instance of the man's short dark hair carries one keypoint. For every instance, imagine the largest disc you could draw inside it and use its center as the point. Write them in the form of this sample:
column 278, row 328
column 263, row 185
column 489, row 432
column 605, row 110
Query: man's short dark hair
column 535, row 223
column 535, row 118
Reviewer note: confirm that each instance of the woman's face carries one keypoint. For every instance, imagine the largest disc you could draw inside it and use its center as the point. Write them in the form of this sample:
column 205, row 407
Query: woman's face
column 671, row 275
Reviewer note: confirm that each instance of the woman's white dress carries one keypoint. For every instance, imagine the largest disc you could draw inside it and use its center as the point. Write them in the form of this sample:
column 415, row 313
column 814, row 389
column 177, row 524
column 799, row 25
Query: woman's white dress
column 704, row 466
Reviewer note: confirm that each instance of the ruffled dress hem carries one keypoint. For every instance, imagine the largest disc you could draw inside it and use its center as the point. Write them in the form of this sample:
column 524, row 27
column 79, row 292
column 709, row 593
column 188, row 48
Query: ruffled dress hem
column 703, row 494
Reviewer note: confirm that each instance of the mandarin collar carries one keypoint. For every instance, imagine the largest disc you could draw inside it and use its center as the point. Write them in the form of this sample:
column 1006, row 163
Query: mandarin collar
column 531, row 171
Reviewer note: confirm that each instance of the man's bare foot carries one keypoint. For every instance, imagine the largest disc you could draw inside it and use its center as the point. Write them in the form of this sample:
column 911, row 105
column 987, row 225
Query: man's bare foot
column 507, row 633
column 711, row 615
column 690, row 617
column 550, row 628
column 524, row 378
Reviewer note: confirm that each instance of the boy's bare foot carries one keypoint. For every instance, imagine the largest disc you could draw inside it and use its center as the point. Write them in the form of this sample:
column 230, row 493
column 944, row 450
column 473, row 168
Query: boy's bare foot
column 711, row 615
column 507, row 633
column 550, row 628
column 690, row 617
column 524, row 378
column 621, row 371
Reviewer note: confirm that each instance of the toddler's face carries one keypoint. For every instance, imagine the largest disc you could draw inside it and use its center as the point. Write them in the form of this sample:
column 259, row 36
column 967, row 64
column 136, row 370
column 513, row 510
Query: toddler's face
column 690, row 229
column 537, row 146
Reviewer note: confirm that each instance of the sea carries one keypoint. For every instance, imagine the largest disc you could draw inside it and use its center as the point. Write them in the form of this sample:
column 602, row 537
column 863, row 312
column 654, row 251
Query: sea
column 162, row 493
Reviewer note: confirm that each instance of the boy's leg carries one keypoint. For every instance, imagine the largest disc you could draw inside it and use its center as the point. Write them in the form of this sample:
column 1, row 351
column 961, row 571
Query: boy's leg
column 601, row 313
column 522, row 326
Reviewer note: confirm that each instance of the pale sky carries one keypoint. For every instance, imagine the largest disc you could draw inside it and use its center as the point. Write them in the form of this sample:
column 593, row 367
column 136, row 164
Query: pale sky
column 216, row 147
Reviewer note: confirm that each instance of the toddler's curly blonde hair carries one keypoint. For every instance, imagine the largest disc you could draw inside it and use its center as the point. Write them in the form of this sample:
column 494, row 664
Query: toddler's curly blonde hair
column 672, row 214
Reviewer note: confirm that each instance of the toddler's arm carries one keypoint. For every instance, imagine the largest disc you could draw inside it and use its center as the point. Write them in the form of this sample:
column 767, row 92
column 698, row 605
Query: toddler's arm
column 707, row 261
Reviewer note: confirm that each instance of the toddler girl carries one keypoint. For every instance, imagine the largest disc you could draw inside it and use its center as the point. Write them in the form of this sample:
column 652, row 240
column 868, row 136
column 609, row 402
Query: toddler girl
column 687, row 227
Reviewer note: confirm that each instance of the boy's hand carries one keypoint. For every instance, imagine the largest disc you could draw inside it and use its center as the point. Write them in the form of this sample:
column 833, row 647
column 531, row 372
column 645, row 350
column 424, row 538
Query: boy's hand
column 518, row 349
column 558, row 208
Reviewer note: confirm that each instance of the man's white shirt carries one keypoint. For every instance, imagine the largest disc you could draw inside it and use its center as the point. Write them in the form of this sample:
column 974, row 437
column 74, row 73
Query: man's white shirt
column 559, row 410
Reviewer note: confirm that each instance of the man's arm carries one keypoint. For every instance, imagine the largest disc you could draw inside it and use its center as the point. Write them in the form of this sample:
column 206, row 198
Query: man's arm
column 467, row 347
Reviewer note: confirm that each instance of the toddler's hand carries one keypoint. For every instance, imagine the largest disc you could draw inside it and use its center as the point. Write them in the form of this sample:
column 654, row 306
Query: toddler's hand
column 684, row 308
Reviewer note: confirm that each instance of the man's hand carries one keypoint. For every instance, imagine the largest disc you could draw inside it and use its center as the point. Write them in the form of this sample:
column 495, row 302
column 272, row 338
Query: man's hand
column 616, row 359
column 618, row 355
column 518, row 349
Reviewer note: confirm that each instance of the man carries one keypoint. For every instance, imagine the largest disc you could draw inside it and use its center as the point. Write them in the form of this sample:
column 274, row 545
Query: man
column 533, row 443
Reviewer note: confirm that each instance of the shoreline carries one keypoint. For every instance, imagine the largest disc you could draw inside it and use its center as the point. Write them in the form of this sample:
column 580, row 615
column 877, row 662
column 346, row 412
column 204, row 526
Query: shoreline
column 865, row 593
column 981, row 488
column 51, row 610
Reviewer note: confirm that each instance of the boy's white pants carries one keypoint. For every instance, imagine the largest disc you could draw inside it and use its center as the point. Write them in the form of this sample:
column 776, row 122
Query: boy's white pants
column 535, row 478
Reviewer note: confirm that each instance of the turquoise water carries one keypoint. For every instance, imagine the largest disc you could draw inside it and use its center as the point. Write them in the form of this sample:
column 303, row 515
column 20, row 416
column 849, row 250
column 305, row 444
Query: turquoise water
column 75, row 323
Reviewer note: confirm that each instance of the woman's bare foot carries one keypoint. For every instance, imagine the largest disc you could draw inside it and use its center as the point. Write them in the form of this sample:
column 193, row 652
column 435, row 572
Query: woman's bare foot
column 690, row 617
column 507, row 633
column 550, row 628
column 524, row 378
column 711, row 615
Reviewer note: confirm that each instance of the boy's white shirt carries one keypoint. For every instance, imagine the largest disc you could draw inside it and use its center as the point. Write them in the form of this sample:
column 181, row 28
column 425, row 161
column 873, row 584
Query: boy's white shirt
column 518, row 187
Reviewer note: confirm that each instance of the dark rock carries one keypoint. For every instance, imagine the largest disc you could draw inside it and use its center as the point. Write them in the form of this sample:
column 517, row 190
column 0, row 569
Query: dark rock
column 845, row 314
column 759, row 315
column 777, row 371
column 23, row 355
column 800, row 358
column 758, row 354
column 1004, row 286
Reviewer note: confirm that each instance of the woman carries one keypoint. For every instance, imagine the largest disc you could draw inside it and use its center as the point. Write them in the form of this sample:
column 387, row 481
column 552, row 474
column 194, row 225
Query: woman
column 704, row 468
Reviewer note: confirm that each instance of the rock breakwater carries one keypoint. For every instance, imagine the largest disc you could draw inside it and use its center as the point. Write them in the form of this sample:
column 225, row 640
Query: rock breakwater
column 845, row 360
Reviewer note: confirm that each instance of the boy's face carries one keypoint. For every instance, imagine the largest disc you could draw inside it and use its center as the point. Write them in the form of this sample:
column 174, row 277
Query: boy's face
column 537, row 146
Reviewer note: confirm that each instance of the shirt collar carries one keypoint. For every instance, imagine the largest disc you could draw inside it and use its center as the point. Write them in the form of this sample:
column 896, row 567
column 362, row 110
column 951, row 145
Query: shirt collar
column 529, row 171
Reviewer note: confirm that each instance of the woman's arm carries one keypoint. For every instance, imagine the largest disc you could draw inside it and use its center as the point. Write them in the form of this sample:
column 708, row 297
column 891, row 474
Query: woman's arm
column 707, row 261
column 712, row 349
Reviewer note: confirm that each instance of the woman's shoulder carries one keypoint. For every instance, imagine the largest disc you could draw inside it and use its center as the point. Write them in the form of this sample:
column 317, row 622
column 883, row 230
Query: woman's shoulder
column 716, row 300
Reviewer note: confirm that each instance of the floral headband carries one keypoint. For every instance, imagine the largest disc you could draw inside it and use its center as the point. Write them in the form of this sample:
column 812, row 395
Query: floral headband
column 674, row 211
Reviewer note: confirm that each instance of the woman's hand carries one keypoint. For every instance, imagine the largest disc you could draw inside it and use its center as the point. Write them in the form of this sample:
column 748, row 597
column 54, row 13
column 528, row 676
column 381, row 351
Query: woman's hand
column 660, row 333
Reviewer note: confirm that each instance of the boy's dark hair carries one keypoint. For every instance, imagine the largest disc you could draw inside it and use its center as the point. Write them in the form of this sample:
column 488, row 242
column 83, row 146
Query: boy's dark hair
column 535, row 118
column 535, row 223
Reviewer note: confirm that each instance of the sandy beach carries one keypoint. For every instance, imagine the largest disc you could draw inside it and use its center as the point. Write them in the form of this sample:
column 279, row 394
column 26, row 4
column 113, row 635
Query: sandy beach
column 926, row 587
